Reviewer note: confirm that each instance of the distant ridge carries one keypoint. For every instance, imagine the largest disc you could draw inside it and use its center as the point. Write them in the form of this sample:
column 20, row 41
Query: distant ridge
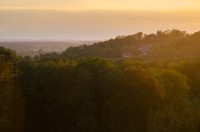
column 46, row 40
column 163, row 45
column 34, row 47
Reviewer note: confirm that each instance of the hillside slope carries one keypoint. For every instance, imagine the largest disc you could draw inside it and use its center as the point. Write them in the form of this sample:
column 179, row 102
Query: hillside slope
column 170, row 44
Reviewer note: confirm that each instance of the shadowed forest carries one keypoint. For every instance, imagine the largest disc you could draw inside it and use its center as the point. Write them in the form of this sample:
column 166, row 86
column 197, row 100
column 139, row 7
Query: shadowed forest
column 135, row 83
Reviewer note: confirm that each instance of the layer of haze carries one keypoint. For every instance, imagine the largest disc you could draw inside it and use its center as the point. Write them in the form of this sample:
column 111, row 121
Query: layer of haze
column 94, row 19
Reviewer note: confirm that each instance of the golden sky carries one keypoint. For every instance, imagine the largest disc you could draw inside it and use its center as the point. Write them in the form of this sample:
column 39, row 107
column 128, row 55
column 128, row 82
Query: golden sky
column 94, row 19
column 101, row 4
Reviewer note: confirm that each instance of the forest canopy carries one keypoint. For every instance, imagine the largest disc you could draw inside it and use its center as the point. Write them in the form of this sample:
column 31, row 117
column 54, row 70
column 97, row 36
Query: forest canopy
column 134, row 83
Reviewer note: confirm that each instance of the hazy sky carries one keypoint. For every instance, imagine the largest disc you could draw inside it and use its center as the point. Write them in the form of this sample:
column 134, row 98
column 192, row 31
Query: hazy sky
column 94, row 19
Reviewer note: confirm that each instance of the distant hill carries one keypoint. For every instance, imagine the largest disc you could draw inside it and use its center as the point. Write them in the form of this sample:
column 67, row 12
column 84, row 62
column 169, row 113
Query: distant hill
column 164, row 45
column 169, row 45
column 33, row 47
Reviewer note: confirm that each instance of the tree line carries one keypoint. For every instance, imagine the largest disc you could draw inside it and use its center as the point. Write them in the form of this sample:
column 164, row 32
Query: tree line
column 60, row 93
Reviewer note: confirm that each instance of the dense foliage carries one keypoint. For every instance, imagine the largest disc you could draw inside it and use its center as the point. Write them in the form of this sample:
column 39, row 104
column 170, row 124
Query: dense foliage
column 169, row 45
column 77, row 92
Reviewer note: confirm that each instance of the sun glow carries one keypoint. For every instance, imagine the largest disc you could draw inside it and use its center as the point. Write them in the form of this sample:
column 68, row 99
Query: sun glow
column 77, row 5
column 94, row 19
